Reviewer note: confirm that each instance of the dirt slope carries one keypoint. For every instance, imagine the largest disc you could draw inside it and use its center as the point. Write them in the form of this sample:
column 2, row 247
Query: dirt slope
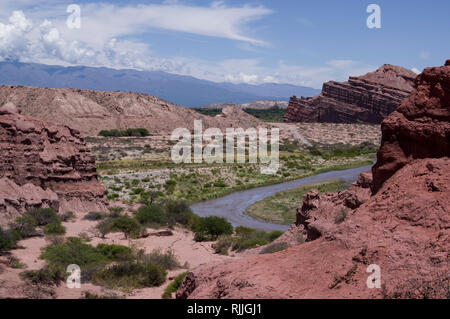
column 91, row 111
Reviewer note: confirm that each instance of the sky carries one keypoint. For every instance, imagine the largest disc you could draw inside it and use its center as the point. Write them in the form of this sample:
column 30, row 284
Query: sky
column 255, row 41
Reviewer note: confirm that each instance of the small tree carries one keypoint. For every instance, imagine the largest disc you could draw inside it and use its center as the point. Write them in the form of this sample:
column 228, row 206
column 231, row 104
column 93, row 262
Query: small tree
column 130, row 227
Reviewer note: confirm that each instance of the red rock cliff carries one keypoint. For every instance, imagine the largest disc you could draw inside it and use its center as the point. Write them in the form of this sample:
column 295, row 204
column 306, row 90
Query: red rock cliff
column 45, row 165
column 368, row 98
column 419, row 128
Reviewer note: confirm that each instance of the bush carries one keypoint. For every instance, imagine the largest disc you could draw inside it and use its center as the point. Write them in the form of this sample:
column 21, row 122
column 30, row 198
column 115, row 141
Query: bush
column 247, row 238
column 130, row 227
column 24, row 226
column 73, row 251
column 115, row 252
column 54, row 228
column 273, row 248
column 223, row 244
column 209, row 228
column 151, row 215
column 94, row 216
column 166, row 260
column 43, row 216
column 180, row 212
column 47, row 276
column 7, row 240
column 131, row 275
column 173, row 286
column 220, row 183
column 68, row 216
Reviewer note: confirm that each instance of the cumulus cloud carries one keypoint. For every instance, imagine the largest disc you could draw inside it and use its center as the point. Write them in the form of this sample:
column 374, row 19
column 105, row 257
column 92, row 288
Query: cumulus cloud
column 12, row 36
column 51, row 42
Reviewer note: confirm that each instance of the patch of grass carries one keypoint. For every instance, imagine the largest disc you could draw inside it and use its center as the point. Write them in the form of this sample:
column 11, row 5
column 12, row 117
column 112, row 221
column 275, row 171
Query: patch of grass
column 54, row 228
column 94, row 216
column 49, row 276
column 43, row 216
column 223, row 244
column 131, row 275
column 247, row 238
column 68, row 216
column 166, row 260
column 281, row 207
column 173, row 286
column 273, row 248
column 340, row 216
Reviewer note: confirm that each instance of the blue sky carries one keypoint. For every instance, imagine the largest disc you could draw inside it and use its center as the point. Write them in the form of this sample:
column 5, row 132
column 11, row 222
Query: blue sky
column 255, row 41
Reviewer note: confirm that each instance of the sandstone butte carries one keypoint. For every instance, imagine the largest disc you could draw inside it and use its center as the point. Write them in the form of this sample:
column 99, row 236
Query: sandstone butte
column 399, row 221
column 91, row 111
column 369, row 98
column 45, row 165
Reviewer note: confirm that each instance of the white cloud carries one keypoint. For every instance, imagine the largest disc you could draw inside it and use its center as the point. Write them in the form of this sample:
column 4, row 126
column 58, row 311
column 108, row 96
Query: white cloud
column 51, row 42
column 416, row 70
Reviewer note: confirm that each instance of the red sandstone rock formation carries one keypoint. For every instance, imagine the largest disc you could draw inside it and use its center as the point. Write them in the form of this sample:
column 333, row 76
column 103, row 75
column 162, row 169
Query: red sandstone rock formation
column 368, row 98
column 404, row 227
column 44, row 165
column 419, row 128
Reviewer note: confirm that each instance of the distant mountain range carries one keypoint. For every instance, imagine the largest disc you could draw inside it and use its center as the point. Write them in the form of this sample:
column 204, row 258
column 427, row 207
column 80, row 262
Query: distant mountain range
column 178, row 89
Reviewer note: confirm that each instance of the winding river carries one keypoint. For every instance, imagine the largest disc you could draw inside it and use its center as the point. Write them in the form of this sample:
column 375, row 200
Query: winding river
column 233, row 206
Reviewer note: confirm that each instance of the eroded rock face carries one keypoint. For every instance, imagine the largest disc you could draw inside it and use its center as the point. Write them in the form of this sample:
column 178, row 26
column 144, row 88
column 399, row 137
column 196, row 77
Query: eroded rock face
column 44, row 165
column 320, row 214
column 368, row 98
column 419, row 128
column 404, row 227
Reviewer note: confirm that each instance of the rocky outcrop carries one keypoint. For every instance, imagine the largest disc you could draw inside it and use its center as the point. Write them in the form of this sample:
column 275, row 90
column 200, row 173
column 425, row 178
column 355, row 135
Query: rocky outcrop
column 91, row 111
column 403, row 228
column 320, row 214
column 45, row 165
column 419, row 128
column 368, row 98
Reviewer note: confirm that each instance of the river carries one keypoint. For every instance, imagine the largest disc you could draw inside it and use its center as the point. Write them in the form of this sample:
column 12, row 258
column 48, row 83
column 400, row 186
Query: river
column 233, row 206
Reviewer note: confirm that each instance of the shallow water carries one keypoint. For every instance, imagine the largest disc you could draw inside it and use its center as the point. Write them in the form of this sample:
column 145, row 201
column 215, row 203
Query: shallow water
column 233, row 206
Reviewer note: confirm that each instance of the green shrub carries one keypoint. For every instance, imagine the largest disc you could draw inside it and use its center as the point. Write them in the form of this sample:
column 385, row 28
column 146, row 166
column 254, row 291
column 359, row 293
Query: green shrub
column 54, row 228
column 130, row 227
column 247, row 238
column 43, row 216
column 179, row 212
column 209, row 228
column 73, row 251
column 220, row 183
column 47, row 276
column 24, row 226
column 173, row 286
column 166, row 260
column 151, row 215
column 7, row 240
column 94, row 216
column 273, row 248
column 131, row 275
column 223, row 244
column 105, row 226
column 68, row 216
column 115, row 211
column 115, row 252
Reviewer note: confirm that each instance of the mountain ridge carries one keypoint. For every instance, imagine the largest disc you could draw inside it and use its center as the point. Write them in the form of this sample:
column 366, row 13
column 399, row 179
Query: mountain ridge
column 178, row 89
